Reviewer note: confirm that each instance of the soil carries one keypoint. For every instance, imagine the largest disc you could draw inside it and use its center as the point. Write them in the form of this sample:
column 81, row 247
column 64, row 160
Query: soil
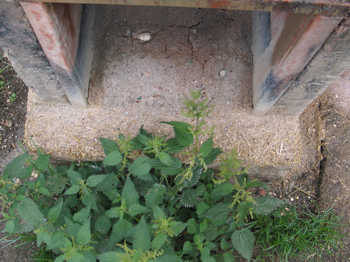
column 12, row 119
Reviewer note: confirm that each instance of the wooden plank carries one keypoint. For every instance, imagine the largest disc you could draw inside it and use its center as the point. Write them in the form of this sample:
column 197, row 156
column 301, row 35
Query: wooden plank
column 295, row 43
column 330, row 67
column 324, row 7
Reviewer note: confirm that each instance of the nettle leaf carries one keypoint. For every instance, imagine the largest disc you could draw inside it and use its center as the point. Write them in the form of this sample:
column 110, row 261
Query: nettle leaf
column 243, row 241
column 222, row 190
column 95, row 180
column 108, row 145
column 189, row 198
column 168, row 258
column 76, row 257
column 103, row 224
column 206, row 147
column 266, row 205
column 30, row 213
column 168, row 160
column 109, row 257
column 60, row 258
column 55, row 211
column 188, row 248
column 17, row 167
column 112, row 159
column 82, row 215
column 109, row 187
column 129, row 193
column 155, row 195
column 218, row 214
column 201, row 208
column 10, row 227
column 159, row 241
column 183, row 134
column 210, row 158
column 114, row 212
column 58, row 240
column 137, row 209
column 142, row 236
column 158, row 213
column 72, row 190
column 120, row 231
column 141, row 167
column 177, row 227
column 74, row 176
column 84, row 234
column 42, row 162
column 192, row 226
column 173, row 146
column 89, row 198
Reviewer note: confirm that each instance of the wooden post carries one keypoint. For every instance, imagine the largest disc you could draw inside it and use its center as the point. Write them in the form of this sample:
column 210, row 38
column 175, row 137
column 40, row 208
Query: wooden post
column 57, row 27
column 295, row 41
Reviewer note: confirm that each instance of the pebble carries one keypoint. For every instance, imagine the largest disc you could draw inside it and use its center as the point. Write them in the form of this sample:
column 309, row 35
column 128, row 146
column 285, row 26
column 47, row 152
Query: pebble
column 222, row 73
column 144, row 37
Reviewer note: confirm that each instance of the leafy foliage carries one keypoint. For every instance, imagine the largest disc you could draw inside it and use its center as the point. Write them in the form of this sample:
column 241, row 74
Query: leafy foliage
column 141, row 203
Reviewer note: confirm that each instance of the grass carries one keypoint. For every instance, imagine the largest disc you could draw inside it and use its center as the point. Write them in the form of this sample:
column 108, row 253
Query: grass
column 288, row 234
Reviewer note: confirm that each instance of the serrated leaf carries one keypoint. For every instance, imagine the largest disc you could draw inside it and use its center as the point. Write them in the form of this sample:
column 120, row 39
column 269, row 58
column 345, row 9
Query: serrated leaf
column 243, row 241
column 192, row 226
column 120, row 231
column 89, row 198
column 42, row 162
column 218, row 214
column 177, row 227
column 159, row 241
column 266, row 205
column 76, row 257
column 141, row 167
column 173, row 146
column 112, row 159
column 84, row 234
column 60, row 258
column 9, row 227
column 224, row 244
column 142, row 236
column 222, row 190
column 108, row 145
column 168, row 160
column 129, row 193
column 187, row 248
column 82, row 215
column 109, row 257
column 189, row 198
column 206, row 147
column 168, row 258
column 72, row 190
column 201, row 208
column 109, row 187
column 114, row 212
column 158, row 213
column 30, row 214
column 210, row 158
column 137, row 209
column 154, row 196
column 74, row 176
column 103, row 224
column 58, row 240
column 17, row 167
column 183, row 134
column 55, row 211
column 95, row 180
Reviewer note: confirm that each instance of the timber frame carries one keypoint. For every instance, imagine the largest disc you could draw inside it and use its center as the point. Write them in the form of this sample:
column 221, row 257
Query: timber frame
column 288, row 36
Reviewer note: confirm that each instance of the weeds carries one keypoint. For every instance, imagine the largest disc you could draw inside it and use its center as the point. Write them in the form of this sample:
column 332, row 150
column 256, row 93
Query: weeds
column 143, row 204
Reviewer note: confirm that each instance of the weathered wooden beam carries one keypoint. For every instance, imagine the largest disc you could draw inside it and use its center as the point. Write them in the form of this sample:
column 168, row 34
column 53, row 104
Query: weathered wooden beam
column 296, row 39
column 324, row 7
column 57, row 28
column 330, row 67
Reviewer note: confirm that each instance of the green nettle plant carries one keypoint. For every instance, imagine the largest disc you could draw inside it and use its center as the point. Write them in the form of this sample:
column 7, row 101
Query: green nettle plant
column 141, row 203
